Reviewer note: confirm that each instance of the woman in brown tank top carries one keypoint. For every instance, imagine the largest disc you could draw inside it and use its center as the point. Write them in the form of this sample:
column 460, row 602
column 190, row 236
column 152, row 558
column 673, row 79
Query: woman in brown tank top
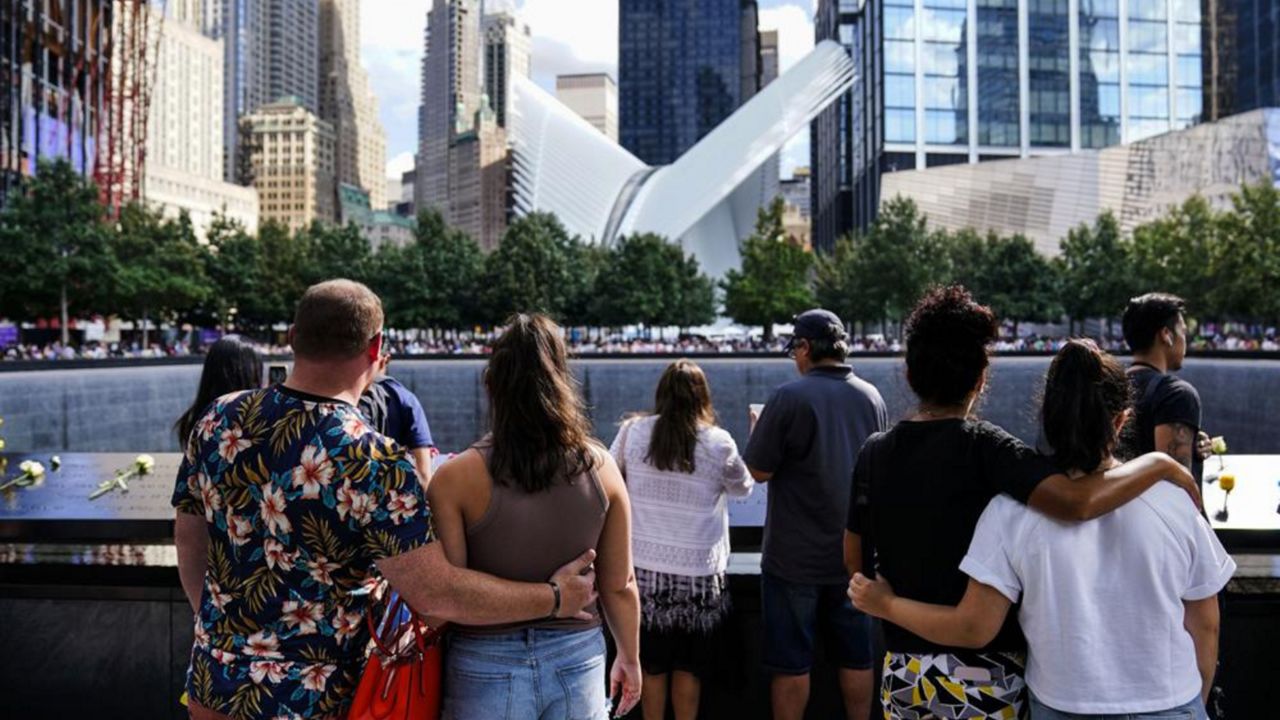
column 537, row 491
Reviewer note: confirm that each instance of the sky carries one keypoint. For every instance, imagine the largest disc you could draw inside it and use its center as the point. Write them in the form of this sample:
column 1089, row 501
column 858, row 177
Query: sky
column 569, row 36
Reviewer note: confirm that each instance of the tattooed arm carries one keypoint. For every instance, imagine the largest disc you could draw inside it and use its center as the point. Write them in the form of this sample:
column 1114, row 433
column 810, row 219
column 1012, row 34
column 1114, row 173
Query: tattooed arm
column 1177, row 440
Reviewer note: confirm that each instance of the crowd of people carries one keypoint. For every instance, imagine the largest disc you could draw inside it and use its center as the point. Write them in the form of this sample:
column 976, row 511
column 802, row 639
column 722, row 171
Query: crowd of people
column 972, row 548
column 587, row 346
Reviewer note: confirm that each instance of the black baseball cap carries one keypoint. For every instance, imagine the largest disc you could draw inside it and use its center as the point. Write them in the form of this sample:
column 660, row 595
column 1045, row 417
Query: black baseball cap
column 816, row 324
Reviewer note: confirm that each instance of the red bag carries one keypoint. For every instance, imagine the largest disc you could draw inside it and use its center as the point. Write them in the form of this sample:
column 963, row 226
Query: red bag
column 401, row 679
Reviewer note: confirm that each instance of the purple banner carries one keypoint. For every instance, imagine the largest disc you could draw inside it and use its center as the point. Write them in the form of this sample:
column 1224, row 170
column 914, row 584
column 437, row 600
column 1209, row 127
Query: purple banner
column 57, row 140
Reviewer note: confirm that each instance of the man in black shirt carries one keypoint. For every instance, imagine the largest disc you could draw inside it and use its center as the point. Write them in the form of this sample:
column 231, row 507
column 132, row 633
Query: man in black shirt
column 1166, row 407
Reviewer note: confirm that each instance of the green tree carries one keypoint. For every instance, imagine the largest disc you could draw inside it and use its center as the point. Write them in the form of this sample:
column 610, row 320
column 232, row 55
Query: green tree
column 1174, row 253
column 283, row 270
column 1245, row 262
column 967, row 260
column 232, row 265
column 587, row 260
column 55, row 247
column 1095, row 270
column 773, row 283
column 838, row 282
column 909, row 258
column 880, row 274
column 534, row 269
column 333, row 251
column 635, row 282
column 1016, row 281
column 161, row 266
column 647, row 279
column 432, row 282
column 692, row 300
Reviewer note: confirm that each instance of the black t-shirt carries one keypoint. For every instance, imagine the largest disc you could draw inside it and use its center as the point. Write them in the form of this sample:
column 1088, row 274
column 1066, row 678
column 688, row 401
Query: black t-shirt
column 1160, row 399
column 808, row 436
column 918, row 491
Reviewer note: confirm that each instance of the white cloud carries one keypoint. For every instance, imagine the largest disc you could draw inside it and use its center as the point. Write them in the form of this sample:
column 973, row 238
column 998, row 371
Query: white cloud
column 391, row 51
column 572, row 36
column 399, row 165
column 795, row 39
column 590, row 27
column 795, row 32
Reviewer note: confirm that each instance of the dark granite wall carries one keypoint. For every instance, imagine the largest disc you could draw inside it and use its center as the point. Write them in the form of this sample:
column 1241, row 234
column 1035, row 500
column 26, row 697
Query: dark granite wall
column 133, row 409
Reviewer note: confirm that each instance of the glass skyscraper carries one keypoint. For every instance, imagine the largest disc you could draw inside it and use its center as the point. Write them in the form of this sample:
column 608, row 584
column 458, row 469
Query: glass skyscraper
column 1242, row 56
column 683, row 67
column 962, row 81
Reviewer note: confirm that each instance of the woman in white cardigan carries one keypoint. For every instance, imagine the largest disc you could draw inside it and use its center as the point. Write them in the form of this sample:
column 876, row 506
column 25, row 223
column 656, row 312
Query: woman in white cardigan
column 680, row 469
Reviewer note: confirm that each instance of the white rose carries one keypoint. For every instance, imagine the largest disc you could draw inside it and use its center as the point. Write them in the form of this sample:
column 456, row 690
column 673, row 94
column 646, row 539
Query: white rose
column 145, row 464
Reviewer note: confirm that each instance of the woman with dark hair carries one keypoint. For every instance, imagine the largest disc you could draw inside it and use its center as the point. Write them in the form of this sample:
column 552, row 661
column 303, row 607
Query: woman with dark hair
column 680, row 469
column 1136, row 589
column 231, row 365
column 919, row 490
column 537, row 491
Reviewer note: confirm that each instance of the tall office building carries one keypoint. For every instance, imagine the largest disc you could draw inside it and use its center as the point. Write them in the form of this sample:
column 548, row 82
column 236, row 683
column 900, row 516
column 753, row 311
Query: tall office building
column 683, row 67
column 184, row 159
column 347, row 103
column 993, row 79
column 462, row 145
column 289, row 159
column 594, row 97
column 1242, row 56
column 507, row 47
column 271, row 50
column 768, row 57
column 771, row 181
column 478, row 180
column 451, row 89
column 293, row 51
column 55, row 72
column 189, row 13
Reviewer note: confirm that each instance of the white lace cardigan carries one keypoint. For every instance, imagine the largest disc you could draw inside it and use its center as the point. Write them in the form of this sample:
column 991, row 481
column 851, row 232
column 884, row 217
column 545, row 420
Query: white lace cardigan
column 680, row 521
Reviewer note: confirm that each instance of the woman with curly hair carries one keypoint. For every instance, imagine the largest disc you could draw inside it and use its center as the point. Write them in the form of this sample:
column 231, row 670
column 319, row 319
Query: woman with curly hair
column 1137, row 587
column 919, row 489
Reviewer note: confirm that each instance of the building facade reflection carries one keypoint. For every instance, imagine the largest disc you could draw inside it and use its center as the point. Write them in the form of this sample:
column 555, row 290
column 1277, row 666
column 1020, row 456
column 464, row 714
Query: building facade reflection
column 964, row 81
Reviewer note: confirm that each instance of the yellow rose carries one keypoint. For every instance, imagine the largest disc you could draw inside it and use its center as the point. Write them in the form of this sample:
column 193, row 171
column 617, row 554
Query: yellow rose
column 1227, row 481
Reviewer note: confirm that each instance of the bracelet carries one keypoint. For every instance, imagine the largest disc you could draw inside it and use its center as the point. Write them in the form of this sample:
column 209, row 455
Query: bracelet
column 555, row 588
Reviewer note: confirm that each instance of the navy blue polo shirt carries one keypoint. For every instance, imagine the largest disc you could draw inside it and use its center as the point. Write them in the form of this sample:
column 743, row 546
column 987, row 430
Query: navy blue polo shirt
column 809, row 436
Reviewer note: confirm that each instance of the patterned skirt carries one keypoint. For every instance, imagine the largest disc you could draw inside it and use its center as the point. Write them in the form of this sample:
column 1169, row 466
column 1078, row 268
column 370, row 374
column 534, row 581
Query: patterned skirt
column 947, row 687
column 679, row 602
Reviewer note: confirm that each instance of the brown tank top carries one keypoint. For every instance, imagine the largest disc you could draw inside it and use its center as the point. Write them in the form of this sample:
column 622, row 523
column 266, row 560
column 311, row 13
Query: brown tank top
column 528, row 536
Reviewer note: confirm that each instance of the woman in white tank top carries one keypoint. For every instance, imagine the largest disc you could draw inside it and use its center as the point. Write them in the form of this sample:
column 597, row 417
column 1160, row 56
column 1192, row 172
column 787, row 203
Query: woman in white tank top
column 1120, row 613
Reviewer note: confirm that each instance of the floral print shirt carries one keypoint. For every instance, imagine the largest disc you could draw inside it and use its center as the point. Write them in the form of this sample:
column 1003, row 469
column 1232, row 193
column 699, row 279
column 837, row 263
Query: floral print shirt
column 301, row 496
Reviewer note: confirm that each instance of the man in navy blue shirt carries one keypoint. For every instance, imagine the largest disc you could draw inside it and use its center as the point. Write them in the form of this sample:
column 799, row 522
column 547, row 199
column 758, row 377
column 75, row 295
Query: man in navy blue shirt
column 395, row 412
column 804, row 446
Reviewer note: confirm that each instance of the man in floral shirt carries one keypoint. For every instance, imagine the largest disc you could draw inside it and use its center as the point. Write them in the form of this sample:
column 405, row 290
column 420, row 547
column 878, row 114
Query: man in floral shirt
column 286, row 498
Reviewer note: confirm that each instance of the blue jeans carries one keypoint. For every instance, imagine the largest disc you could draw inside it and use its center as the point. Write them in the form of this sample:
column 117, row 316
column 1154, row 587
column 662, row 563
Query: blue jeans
column 528, row 674
column 1193, row 710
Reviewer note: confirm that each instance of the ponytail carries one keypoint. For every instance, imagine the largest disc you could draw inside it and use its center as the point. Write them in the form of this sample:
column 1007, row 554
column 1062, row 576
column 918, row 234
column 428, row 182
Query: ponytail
column 1085, row 390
